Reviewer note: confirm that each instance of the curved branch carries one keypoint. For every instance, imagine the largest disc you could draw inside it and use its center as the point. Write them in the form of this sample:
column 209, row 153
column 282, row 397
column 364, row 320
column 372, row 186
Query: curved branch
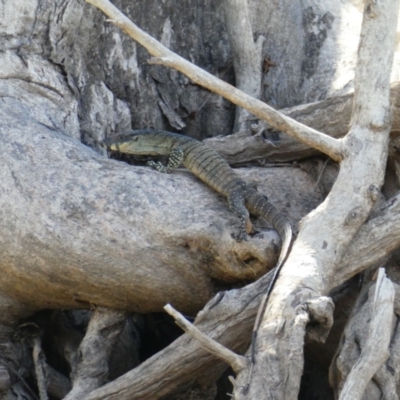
column 326, row 144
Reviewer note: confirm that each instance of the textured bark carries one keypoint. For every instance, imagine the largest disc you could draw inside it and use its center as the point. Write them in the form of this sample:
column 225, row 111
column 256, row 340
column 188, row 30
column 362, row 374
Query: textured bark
column 356, row 344
column 266, row 145
column 247, row 56
column 92, row 216
column 84, row 230
column 231, row 328
column 91, row 369
column 370, row 124
column 309, row 274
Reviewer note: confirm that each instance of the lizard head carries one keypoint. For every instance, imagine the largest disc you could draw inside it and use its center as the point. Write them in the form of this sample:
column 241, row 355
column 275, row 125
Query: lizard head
column 143, row 142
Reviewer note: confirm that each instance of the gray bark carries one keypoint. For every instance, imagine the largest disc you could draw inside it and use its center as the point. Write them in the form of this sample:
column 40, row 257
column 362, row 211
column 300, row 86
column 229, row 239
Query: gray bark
column 268, row 145
column 83, row 230
column 247, row 56
column 356, row 345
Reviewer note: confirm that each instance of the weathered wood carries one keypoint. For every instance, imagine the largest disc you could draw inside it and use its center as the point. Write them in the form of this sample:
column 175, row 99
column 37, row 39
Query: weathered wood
column 40, row 361
column 376, row 348
column 232, row 329
column 228, row 319
column 91, row 368
column 318, row 249
column 235, row 361
column 332, row 116
column 96, row 241
column 347, row 206
column 168, row 58
column 365, row 345
column 102, row 111
column 247, row 55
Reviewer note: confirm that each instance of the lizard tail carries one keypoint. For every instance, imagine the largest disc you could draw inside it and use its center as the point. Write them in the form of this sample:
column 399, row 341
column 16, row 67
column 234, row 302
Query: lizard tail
column 266, row 210
column 282, row 226
column 259, row 205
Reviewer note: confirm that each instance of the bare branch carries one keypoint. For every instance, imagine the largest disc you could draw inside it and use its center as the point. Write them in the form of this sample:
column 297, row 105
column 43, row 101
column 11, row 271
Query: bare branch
column 376, row 350
column 246, row 55
column 235, row 361
column 331, row 115
column 164, row 56
column 91, row 370
column 38, row 359
column 234, row 329
column 319, row 248
column 376, row 239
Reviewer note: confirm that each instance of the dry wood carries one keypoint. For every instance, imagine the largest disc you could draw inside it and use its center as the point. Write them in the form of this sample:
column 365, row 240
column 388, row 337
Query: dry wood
column 69, row 276
column 228, row 319
column 378, row 237
column 232, row 328
column 91, row 370
column 164, row 56
column 309, row 274
column 332, row 116
column 355, row 341
column 235, row 361
column 247, row 56
column 39, row 361
column 376, row 349
column 97, row 242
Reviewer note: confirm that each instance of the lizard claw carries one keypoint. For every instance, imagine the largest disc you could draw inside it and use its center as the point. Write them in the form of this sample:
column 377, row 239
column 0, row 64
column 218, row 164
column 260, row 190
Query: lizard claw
column 240, row 237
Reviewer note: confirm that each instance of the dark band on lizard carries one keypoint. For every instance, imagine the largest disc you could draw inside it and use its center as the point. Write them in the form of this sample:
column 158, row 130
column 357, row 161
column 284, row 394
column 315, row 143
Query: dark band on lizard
column 211, row 168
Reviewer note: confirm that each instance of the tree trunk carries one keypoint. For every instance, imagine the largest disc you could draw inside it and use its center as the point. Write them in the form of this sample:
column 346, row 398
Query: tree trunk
column 103, row 233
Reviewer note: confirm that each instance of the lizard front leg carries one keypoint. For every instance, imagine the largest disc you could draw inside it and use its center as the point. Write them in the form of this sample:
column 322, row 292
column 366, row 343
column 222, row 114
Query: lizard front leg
column 174, row 161
column 236, row 204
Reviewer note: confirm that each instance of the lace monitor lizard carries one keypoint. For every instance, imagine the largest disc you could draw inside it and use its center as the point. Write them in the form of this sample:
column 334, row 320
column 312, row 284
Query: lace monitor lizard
column 211, row 168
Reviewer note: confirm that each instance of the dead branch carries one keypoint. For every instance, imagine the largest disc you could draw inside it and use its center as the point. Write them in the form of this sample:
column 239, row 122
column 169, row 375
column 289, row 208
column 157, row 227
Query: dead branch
column 375, row 240
column 39, row 361
column 91, row 370
column 311, row 266
column 112, row 222
column 247, row 55
column 332, row 116
column 355, row 341
column 376, row 349
column 232, row 328
column 164, row 56
column 235, row 361
column 345, row 210
column 227, row 319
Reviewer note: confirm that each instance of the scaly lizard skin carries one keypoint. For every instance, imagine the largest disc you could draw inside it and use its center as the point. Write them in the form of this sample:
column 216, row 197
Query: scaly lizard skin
column 211, row 168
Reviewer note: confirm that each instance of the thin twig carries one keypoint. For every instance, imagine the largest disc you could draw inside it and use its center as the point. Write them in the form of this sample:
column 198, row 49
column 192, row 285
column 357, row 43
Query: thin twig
column 237, row 362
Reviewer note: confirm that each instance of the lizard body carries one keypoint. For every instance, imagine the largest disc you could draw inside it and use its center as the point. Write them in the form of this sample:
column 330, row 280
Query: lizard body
column 211, row 168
